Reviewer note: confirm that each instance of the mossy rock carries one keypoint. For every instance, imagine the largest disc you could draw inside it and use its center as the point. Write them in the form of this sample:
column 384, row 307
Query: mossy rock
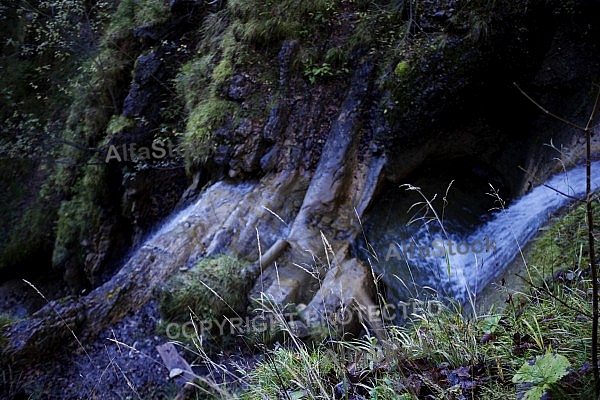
column 402, row 69
column 212, row 288
column 208, row 116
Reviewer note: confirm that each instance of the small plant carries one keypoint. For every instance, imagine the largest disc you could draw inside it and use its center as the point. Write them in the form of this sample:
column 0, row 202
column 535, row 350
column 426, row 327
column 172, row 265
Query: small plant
column 298, row 373
column 543, row 373
column 337, row 57
column 315, row 71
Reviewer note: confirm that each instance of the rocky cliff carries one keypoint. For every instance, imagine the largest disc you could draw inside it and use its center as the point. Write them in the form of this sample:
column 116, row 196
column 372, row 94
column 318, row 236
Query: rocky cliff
column 287, row 119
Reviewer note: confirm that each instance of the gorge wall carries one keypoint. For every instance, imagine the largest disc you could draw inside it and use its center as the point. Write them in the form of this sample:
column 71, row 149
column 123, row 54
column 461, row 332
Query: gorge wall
column 318, row 108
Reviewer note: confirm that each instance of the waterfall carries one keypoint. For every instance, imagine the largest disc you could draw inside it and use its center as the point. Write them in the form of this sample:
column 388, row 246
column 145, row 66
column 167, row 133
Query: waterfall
column 461, row 259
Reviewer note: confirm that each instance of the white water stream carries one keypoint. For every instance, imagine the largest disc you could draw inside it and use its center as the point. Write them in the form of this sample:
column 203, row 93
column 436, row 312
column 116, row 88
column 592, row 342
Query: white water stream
column 427, row 256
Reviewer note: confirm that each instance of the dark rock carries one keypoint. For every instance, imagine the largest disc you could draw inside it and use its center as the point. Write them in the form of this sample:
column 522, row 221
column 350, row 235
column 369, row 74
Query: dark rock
column 224, row 133
column 171, row 29
column 148, row 67
column 222, row 155
column 285, row 57
column 149, row 196
column 341, row 390
column 244, row 129
column 239, row 88
column 146, row 86
column 276, row 123
column 192, row 6
column 149, row 33
column 47, row 329
column 269, row 161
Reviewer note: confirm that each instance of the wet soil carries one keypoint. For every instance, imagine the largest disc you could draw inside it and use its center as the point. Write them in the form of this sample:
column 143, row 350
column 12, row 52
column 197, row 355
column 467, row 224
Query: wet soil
column 120, row 363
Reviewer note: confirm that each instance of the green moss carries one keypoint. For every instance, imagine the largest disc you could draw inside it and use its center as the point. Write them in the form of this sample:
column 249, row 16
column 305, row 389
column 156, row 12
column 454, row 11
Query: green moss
column 209, row 73
column 80, row 217
column 193, row 78
column 213, row 289
column 564, row 246
column 402, row 69
column 117, row 123
column 208, row 116
column 267, row 23
column 270, row 32
column 132, row 13
column 201, row 84
column 223, row 71
column 73, row 221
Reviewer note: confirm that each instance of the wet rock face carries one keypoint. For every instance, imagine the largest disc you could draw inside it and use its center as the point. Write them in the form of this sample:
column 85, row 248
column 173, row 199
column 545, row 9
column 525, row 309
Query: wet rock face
column 285, row 57
column 460, row 100
column 306, row 175
column 246, row 154
column 146, row 86
column 149, row 196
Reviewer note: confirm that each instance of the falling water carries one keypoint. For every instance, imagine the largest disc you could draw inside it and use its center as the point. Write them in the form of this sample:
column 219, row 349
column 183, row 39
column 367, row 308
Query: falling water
column 426, row 254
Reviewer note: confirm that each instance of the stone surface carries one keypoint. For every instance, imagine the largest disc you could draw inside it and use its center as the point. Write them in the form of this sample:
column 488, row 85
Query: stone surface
column 308, row 174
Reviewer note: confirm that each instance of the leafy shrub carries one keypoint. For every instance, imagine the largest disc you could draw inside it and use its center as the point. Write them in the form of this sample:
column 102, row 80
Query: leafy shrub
column 315, row 71
column 402, row 69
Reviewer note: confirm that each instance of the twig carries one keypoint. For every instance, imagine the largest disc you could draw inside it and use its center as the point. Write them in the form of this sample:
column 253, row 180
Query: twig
column 590, row 223
column 550, row 187
column 545, row 111
column 587, row 130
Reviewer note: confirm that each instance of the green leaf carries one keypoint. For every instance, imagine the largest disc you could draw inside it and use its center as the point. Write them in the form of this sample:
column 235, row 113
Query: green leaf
column 489, row 324
column 545, row 371
column 535, row 393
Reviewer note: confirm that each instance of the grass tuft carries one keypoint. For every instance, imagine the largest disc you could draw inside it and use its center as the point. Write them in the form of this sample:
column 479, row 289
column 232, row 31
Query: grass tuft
column 445, row 353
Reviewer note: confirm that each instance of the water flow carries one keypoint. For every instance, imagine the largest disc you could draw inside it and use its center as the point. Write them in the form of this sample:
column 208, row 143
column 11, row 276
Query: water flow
column 513, row 227
column 463, row 259
column 184, row 219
